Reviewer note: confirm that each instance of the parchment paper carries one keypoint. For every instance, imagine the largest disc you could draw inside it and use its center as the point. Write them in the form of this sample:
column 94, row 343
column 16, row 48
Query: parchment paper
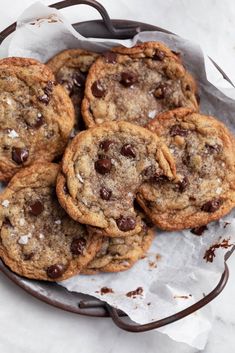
column 175, row 273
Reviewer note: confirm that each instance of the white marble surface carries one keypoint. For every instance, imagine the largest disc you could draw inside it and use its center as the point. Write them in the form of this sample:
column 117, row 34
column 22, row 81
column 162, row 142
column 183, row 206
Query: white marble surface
column 28, row 325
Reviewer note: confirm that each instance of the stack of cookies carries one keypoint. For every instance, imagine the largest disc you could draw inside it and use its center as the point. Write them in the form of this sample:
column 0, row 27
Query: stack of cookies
column 96, row 150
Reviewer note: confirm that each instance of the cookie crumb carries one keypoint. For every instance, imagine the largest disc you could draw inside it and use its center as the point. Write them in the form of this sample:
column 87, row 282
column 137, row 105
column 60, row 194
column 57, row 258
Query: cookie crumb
column 134, row 293
column 105, row 290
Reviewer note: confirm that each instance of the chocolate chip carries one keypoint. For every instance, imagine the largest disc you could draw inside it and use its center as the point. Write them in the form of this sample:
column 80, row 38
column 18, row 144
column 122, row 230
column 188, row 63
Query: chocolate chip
column 213, row 148
column 212, row 205
column 183, row 184
column 128, row 151
column 110, row 57
column 55, row 271
column 78, row 246
column 7, row 222
column 79, row 79
column 104, row 145
column 68, row 84
column 178, row 130
column 36, row 208
column 28, row 256
column 97, row 89
column 128, row 79
column 160, row 90
column 126, row 223
column 39, row 122
column 44, row 99
column 19, row 155
column 105, row 193
column 103, row 165
column 158, row 55
column 65, row 188
column 199, row 230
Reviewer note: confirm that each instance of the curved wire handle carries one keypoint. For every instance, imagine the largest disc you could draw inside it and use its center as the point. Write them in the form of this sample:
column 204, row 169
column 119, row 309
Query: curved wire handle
column 168, row 320
column 121, row 32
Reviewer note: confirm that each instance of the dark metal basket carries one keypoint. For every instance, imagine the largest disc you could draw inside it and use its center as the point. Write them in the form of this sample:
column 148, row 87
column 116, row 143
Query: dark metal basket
column 56, row 295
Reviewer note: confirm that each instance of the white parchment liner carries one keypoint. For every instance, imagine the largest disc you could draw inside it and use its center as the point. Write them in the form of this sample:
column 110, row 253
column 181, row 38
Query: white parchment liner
column 178, row 276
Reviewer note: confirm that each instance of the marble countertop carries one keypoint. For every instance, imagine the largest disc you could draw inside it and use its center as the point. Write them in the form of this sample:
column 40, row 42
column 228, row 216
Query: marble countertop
column 28, row 325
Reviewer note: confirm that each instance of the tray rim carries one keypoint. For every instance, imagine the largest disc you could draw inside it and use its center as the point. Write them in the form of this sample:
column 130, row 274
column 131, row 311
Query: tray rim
column 85, row 308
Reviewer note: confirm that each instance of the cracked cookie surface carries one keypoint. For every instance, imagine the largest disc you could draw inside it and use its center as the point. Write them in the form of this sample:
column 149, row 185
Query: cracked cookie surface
column 102, row 169
column 205, row 187
column 70, row 68
column 36, row 115
column 136, row 84
column 37, row 238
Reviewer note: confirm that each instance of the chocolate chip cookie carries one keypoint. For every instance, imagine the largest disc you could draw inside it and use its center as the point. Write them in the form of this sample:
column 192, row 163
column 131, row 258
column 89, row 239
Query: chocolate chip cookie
column 37, row 238
column 119, row 254
column 136, row 84
column 36, row 115
column 102, row 169
column 70, row 68
column 204, row 189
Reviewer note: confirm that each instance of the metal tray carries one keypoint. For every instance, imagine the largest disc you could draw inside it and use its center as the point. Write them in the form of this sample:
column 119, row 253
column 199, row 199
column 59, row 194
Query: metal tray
column 55, row 295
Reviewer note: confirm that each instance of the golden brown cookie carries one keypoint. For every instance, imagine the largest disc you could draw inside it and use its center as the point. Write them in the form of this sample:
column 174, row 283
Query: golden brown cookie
column 120, row 254
column 36, row 115
column 37, row 238
column 102, row 169
column 136, row 84
column 70, row 68
column 204, row 189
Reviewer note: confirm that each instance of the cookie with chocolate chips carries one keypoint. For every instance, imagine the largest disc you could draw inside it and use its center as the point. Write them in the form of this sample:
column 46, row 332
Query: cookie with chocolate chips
column 102, row 169
column 204, row 189
column 37, row 238
column 70, row 68
column 36, row 115
column 136, row 84
column 119, row 254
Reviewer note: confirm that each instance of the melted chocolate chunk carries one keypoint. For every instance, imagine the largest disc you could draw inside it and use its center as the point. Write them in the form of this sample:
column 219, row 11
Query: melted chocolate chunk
column 128, row 79
column 160, row 90
column 198, row 98
column 128, row 150
column 44, row 99
column 183, row 184
column 158, row 55
column 98, row 90
column 199, row 230
column 39, row 122
column 213, row 148
column 212, row 206
column 20, row 155
column 55, row 271
column 105, row 193
column 178, row 130
column 103, row 165
column 7, row 222
column 28, row 256
column 36, row 208
column 68, row 85
column 110, row 57
column 126, row 223
column 78, row 246
column 210, row 253
column 104, row 145
column 79, row 79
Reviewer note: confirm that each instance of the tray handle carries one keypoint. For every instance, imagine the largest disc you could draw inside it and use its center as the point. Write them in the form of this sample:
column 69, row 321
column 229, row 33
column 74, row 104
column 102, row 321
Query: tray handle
column 128, row 32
